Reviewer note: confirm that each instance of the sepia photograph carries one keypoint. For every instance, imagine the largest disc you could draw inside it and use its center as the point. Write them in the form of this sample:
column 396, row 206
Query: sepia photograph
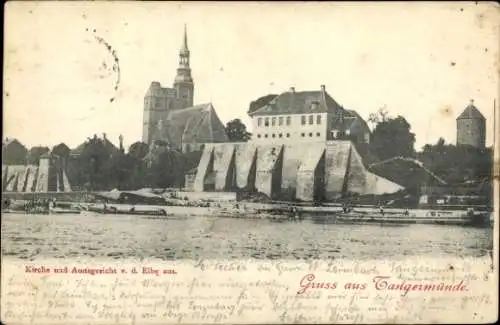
column 260, row 132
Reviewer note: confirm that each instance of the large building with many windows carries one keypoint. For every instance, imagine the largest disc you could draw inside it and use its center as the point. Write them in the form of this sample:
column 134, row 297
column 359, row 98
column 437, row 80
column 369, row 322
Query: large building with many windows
column 305, row 146
column 307, row 116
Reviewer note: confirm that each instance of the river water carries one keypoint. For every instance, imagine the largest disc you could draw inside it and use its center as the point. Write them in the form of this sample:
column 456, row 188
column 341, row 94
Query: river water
column 34, row 237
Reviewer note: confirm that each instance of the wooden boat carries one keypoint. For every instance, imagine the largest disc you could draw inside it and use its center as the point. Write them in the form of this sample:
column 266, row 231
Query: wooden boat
column 132, row 211
column 44, row 212
column 64, row 211
column 458, row 218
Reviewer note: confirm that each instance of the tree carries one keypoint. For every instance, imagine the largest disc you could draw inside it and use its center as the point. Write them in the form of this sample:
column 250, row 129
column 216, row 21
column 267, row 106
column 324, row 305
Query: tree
column 61, row 150
column 457, row 164
column 167, row 168
column 13, row 152
column 259, row 102
column 392, row 138
column 380, row 116
column 237, row 131
column 138, row 150
column 92, row 165
column 35, row 153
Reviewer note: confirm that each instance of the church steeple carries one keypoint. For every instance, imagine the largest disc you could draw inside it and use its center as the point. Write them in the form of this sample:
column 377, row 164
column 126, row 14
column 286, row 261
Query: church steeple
column 183, row 84
column 185, row 48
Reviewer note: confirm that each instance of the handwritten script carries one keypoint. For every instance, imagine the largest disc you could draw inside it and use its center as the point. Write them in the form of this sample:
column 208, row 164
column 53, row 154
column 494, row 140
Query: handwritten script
column 247, row 291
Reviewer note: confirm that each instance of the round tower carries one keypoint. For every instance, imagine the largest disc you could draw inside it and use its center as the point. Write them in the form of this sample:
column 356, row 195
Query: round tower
column 471, row 127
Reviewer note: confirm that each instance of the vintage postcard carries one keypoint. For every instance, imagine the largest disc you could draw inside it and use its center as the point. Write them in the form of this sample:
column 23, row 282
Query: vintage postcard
column 250, row 162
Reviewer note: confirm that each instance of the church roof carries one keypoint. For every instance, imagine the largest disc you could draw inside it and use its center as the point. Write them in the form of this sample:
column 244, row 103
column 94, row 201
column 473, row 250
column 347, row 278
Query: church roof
column 471, row 112
column 299, row 102
column 196, row 124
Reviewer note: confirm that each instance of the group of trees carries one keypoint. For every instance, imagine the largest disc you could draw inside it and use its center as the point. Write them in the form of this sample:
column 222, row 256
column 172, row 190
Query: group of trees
column 102, row 167
column 456, row 165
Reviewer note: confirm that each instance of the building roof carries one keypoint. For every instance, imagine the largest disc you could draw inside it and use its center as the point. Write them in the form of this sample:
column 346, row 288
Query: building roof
column 299, row 102
column 8, row 141
column 471, row 112
column 196, row 124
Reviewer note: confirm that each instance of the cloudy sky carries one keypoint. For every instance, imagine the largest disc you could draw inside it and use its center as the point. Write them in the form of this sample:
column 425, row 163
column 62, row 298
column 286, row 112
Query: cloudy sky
column 423, row 61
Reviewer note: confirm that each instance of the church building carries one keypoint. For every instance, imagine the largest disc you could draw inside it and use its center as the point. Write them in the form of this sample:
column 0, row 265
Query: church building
column 170, row 117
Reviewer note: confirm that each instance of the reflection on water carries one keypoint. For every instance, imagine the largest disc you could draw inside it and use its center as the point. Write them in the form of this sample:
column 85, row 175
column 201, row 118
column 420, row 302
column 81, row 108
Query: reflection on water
column 33, row 237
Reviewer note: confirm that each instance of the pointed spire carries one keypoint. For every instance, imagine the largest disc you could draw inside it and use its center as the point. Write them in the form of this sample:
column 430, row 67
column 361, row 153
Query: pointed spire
column 185, row 41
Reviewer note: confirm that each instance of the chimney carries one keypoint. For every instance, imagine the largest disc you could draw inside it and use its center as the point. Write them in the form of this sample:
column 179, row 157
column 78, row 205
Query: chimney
column 323, row 88
column 292, row 89
column 121, row 142
column 104, row 135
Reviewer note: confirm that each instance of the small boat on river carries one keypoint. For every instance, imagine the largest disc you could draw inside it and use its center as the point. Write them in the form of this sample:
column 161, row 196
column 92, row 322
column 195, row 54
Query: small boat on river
column 130, row 211
column 437, row 217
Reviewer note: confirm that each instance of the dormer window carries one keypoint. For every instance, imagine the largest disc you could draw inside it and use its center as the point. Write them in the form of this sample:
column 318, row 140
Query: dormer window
column 314, row 106
column 335, row 134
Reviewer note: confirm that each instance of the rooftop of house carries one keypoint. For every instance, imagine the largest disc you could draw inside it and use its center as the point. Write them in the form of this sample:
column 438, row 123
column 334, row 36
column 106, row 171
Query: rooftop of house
column 8, row 141
column 299, row 102
column 471, row 112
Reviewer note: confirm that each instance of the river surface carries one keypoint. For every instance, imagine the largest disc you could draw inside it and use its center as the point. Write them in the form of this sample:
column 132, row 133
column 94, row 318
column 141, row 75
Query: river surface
column 34, row 237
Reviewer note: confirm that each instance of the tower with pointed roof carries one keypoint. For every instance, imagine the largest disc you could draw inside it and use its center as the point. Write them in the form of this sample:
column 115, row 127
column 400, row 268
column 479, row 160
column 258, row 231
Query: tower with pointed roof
column 183, row 84
column 160, row 101
column 471, row 127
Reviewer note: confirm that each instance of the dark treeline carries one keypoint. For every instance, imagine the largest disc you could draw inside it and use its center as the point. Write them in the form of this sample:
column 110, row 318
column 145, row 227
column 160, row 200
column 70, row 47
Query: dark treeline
column 457, row 166
column 99, row 165
column 102, row 167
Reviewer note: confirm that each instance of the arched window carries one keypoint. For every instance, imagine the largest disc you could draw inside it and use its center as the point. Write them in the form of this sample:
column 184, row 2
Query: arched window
column 311, row 119
column 273, row 121
column 318, row 119
column 259, row 121
column 266, row 121
column 288, row 120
